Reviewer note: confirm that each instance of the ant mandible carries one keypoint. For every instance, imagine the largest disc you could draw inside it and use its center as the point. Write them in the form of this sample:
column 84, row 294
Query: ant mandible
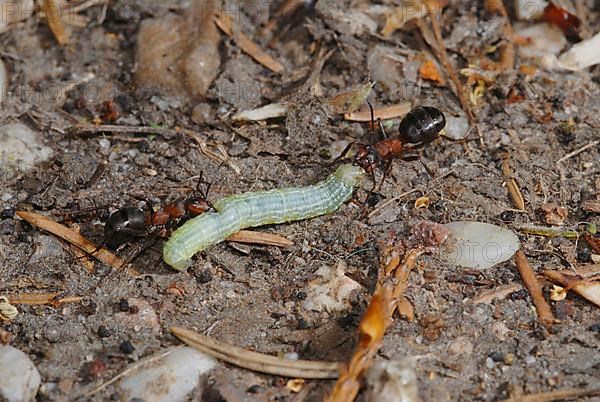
column 420, row 126
column 127, row 223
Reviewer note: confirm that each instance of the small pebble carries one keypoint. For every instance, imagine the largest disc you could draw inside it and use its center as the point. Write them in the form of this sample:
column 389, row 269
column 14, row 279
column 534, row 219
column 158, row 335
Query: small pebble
column 22, row 148
column 201, row 113
column 508, row 216
column 529, row 360
column 489, row 363
column 52, row 335
column 497, row 356
column 103, row 332
column 291, row 356
column 456, row 127
column 8, row 213
column 595, row 328
column 126, row 347
column 19, row 378
column 509, row 359
column 170, row 378
column 104, row 144
column 124, row 305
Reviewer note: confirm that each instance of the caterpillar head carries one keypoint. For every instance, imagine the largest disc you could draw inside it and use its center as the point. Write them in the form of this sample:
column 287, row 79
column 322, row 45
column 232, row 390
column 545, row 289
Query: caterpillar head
column 349, row 174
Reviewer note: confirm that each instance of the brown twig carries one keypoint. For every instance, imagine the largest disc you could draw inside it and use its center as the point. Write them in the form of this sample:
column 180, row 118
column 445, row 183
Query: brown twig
column 555, row 395
column 578, row 151
column 511, row 184
column 90, row 129
column 257, row 361
column 267, row 239
column 498, row 293
column 74, row 238
column 225, row 24
column 434, row 13
column 54, row 17
column 587, row 288
column 222, row 156
column 391, row 284
column 535, row 290
column 44, row 298
column 384, row 113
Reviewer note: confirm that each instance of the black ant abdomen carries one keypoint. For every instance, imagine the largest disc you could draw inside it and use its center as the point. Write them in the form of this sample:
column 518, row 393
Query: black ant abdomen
column 421, row 125
column 123, row 224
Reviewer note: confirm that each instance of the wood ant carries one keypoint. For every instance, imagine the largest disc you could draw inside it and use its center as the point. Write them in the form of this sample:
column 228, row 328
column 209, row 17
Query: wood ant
column 129, row 222
column 419, row 127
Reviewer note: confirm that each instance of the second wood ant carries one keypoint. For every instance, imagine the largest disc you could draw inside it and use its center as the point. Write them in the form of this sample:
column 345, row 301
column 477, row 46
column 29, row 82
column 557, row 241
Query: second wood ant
column 129, row 222
column 420, row 126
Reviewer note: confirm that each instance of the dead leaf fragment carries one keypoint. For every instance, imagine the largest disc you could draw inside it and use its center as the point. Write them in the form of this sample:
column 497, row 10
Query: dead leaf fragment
column 553, row 214
column 295, row 385
column 349, row 101
column 585, row 287
column 226, row 24
column 591, row 206
column 429, row 71
column 422, row 203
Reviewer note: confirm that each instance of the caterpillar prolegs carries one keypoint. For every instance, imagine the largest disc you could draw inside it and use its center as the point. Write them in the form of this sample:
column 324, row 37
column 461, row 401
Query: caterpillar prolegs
column 253, row 209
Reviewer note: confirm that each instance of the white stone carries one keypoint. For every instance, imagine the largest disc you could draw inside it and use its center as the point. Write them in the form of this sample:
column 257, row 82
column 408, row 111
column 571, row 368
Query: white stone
column 21, row 148
column 393, row 381
column 19, row 378
column 456, row 127
column 479, row 245
column 169, row 379
column 543, row 39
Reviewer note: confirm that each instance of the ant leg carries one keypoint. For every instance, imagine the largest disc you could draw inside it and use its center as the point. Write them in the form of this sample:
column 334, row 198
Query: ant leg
column 362, row 205
column 372, row 124
column 374, row 181
column 411, row 158
column 387, row 168
column 344, row 153
column 383, row 133
column 429, row 171
column 204, row 192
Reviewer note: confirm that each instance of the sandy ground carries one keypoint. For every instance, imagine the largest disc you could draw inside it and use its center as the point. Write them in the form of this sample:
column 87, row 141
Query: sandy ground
column 253, row 297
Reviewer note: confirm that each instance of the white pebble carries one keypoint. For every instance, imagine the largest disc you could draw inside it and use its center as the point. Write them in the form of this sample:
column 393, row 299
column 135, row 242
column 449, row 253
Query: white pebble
column 19, row 378
column 169, row 379
column 104, row 143
column 479, row 245
column 21, row 147
column 456, row 128
column 393, row 381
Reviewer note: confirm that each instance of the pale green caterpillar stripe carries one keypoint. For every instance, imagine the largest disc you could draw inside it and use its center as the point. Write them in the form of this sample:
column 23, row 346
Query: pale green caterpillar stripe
column 246, row 210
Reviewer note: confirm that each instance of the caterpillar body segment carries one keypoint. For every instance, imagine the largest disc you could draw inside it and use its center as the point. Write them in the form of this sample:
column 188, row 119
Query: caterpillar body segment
column 253, row 209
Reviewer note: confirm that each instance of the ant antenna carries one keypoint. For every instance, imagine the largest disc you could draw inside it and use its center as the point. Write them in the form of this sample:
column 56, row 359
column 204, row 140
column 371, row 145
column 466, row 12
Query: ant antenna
column 382, row 129
column 372, row 125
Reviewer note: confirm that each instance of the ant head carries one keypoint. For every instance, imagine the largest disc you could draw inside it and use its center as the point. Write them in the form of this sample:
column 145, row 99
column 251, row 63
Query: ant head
column 123, row 224
column 422, row 124
column 367, row 158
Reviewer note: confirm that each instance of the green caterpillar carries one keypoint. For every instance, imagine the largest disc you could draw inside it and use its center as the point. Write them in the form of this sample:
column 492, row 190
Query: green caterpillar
column 247, row 210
